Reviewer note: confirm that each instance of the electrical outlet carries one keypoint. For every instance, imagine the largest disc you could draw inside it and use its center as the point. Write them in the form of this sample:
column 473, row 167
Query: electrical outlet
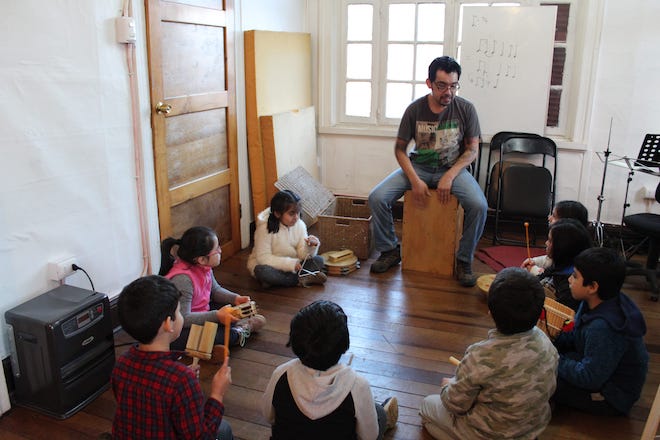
column 61, row 268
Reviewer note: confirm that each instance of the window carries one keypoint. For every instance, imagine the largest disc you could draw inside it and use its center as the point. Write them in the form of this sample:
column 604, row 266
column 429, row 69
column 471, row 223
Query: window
column 381, row 50
column 385, row 72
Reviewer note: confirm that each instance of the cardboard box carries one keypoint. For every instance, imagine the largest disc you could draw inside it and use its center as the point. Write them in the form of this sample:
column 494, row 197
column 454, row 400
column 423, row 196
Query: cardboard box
column 340, row 222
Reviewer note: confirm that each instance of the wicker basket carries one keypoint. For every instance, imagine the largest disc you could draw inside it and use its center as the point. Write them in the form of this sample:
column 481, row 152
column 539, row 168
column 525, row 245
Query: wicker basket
column 556, row 316
column 345, row 225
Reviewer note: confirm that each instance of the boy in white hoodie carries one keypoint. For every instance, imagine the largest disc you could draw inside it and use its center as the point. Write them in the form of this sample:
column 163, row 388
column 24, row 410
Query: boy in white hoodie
column 315, row 397
column 283, row 253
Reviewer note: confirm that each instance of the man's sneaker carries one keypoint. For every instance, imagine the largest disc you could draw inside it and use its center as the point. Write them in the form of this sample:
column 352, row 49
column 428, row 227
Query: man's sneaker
column 386, row 260
column 391, row 407
column 464, row 274
column 247, row 326
column 308, row 279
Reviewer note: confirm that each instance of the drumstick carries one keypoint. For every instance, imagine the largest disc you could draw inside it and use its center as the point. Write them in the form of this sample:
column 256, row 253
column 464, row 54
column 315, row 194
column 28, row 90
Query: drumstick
column 227, row 328
column 529, row 255
column 453, row 360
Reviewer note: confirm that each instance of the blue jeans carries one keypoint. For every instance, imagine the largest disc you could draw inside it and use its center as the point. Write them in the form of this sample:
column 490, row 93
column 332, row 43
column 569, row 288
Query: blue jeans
column 580, row 398
column 269, row 276
column 382, row 420
column 224, row 431
column 465, row 188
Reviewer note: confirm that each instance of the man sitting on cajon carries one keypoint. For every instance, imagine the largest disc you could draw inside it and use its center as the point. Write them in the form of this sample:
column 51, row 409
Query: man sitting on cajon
column 446, row 132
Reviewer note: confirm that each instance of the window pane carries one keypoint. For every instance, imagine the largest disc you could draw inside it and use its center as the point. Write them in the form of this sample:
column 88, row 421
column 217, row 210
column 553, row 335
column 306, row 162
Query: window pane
column 558, row 62
column 421, row 90
column 425, row 54
column 358, row 61
column 358, row 99
column 430, row 22
column 360, row 22
column 402, row 22
column 553, row 108
column 398, row 98
column 400, row 61
column 561, row 30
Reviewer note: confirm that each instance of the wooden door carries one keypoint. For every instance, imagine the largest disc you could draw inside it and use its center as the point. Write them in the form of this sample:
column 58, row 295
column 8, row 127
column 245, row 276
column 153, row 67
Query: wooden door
column 191, row 68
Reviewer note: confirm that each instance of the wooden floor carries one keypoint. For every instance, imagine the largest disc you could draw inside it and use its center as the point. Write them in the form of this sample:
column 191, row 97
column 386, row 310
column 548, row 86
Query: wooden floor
column 403, row 328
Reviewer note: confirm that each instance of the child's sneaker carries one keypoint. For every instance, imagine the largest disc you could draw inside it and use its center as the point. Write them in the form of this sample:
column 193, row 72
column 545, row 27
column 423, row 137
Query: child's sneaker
column 308, row 279
column 391, row 407
column 247, row 326
column 254, row 323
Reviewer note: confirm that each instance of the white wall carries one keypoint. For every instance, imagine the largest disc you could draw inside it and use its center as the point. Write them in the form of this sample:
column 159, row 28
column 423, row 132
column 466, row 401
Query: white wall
column 627, row 93
column 67, row 177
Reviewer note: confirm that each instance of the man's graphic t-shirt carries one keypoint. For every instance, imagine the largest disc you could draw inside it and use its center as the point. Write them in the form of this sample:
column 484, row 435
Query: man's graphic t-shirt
column 438, row 137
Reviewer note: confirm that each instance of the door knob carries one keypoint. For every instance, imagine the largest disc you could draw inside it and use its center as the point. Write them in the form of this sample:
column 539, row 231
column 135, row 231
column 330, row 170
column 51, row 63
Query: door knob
column 162, row 108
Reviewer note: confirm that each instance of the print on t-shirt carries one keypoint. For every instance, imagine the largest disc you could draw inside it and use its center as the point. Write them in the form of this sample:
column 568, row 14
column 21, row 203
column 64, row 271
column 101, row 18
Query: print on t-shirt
column 437, row 144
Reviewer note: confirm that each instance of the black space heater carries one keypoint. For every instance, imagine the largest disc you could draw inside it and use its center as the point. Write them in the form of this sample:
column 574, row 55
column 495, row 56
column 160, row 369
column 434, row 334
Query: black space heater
column 62, row 350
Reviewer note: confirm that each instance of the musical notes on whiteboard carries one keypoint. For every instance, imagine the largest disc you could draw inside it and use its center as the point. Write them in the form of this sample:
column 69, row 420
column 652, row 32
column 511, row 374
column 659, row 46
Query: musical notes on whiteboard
column 506, row 60
column 496, row 60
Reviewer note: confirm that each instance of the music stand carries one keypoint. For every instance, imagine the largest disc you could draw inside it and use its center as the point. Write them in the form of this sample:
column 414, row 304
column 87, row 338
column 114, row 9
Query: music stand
column 647, row 162
column 649, row 154
column 599, row 228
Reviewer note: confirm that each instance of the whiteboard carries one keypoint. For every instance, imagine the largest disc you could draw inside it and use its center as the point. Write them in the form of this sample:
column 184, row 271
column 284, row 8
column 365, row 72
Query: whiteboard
column 506, row 61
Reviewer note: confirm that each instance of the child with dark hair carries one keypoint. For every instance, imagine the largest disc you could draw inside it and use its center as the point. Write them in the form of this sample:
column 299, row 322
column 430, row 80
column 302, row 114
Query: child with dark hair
column 283, row 253
column 603, row 361
column 569, row 209
column 203, row 299
column 566, row 239
column 316, row 397
column 562, row 210
column 157, row 395
column 503, row 384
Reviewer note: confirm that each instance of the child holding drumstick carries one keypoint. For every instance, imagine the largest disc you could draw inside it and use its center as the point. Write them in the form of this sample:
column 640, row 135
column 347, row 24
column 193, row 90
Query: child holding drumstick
column 503, row 384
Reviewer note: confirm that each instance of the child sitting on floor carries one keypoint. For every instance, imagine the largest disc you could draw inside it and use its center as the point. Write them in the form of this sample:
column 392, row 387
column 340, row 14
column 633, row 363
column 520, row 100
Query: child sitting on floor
column 203, row 298
column 157, row 395
column 603, row 361
column 283, row 253
column 503, row 384
column 315, row 397
column 566, row 238
column 563, row 209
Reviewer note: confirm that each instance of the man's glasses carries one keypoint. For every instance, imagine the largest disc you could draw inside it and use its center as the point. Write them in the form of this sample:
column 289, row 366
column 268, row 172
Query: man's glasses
column 444, row 86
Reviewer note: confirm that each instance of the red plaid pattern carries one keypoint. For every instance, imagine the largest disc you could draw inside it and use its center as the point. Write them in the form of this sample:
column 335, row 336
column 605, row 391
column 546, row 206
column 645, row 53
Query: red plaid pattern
column 159, row 397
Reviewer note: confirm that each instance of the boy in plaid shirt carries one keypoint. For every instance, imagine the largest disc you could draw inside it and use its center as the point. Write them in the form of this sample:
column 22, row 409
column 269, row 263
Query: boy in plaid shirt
column 157, row 395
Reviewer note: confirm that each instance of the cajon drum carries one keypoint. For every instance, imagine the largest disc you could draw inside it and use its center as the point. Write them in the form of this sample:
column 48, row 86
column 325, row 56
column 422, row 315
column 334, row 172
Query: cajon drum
column 430, row 235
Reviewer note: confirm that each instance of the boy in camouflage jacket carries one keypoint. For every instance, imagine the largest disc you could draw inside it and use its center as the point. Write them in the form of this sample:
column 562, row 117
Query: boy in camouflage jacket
column 503, row 384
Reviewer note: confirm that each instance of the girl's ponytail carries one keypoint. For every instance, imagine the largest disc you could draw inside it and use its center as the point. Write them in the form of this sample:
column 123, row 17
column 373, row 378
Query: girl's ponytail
column 166, row 257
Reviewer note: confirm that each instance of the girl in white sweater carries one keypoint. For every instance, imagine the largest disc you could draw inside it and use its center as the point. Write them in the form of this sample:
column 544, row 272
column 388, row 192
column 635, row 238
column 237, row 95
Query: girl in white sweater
column 283, row 253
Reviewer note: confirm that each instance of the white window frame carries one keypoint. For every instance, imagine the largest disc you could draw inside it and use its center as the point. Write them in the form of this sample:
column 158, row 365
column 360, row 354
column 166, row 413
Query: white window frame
column 584, row 27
